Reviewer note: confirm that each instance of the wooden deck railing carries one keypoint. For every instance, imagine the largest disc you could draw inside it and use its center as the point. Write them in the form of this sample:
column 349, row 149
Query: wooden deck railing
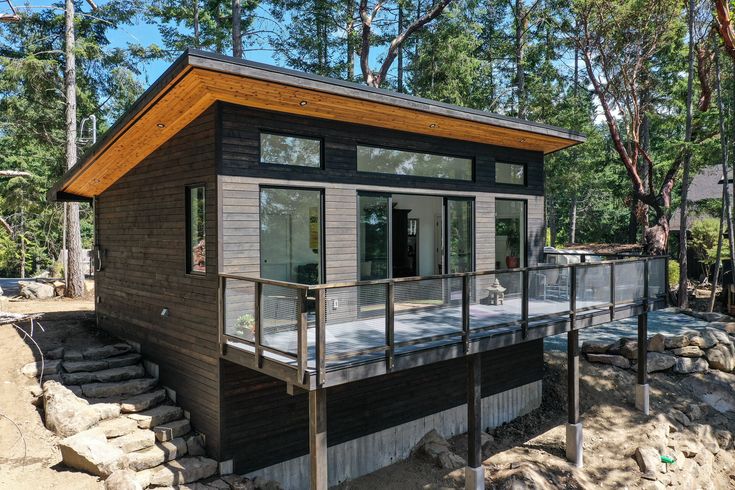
column 288, row 323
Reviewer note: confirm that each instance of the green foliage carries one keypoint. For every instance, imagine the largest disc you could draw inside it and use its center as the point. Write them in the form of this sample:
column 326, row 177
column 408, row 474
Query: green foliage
column 705, row 234
column 674, row 274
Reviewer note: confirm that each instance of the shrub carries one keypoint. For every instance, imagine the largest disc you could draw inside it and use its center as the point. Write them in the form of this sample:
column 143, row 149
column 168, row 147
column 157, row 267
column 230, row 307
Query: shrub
column 674, row 274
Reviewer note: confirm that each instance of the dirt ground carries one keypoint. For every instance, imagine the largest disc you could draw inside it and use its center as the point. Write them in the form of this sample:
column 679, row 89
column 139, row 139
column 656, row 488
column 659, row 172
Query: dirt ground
column 527, row 453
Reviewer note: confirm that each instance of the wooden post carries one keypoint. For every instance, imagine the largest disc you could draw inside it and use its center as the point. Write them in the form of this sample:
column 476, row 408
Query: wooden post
column 318, row 439
column 612, row 291
column 321, row 336
column 390, row 317
column 258, row 337
column 574, row 426
column 474, row 472
column 642, row 388
column 301, row 348
column 524, row 304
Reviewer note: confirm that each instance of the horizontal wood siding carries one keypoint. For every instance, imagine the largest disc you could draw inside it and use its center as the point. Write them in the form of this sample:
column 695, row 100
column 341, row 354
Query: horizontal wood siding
column 264, row 425
column 142, row 234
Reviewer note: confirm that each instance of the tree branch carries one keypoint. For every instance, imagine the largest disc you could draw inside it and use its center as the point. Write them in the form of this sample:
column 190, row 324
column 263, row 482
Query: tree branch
column 14, row 173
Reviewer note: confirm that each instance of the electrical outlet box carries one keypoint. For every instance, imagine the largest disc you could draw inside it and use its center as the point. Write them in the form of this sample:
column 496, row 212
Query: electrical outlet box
column 335, row 304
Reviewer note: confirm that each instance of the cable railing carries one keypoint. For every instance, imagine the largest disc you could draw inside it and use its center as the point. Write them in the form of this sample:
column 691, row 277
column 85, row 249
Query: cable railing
column 321, row 327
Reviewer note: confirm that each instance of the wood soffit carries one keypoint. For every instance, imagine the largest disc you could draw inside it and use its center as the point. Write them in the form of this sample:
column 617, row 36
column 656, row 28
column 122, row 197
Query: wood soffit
column 185, row 92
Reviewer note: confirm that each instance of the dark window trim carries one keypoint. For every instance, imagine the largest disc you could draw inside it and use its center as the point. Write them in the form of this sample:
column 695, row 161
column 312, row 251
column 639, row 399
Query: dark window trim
column 525, row 225
column 509, row 162
column 187, row 198
column 285, row 134
column 471, row 157
column 322, row 224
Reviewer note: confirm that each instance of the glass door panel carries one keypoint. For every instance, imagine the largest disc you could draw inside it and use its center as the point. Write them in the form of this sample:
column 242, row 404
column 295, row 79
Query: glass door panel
column 459, row 235
column 510, row 233
column 374, row 231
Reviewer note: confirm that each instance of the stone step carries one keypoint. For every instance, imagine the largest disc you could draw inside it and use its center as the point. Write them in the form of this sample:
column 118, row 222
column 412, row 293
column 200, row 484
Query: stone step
column 107, row 350
column 170, row 430
column 142, row 402
column 135, row 440
column 119, row 426
column 105, row 375
column 76, row 366
column 157, row 454
column 121, row 388
column 157, row 416
column 184, row 470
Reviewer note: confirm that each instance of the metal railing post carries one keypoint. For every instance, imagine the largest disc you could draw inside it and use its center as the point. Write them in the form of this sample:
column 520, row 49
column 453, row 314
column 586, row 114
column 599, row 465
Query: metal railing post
column 573, row 296
column 646, row 294
column 301, row 350
column 320, row 336
column 466, row 313
column 524, row 308
column 612, row 291
column 258, row 324
column 666, row 280
column 390, row 297
column 221, row 314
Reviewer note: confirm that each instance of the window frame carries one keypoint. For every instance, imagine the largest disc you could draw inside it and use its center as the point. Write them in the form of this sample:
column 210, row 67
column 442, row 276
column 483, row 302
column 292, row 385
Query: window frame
column 284, row 134
column 471, row 158
column 187, row 198
column 507, row 162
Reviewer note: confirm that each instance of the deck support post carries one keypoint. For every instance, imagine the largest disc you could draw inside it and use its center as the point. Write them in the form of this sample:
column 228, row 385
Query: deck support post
column 318, row 439
column 474, row 472
column 642, row 388
column 574, row 425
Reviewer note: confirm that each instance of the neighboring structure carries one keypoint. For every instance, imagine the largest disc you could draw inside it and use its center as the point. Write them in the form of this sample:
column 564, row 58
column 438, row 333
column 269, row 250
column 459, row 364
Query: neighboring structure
column 298, row 256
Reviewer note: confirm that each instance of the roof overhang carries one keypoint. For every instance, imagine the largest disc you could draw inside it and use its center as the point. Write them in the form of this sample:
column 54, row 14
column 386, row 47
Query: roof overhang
column 198, row 79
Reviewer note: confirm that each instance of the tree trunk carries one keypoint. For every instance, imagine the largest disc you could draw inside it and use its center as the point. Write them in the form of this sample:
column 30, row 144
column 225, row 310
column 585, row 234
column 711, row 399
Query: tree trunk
column 350, row 40
column 521, row 27
column 236, row 29
column 75, row 275
column 22, row 236
column 400, row 50
column 573, row 219
column 718, row 259
column 724, row 156
column 196, row 24
column 656, row 237
column 683, row 295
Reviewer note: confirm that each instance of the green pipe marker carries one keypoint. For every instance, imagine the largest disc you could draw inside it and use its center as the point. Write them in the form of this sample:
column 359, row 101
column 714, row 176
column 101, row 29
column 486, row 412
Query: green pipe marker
column 667, row 459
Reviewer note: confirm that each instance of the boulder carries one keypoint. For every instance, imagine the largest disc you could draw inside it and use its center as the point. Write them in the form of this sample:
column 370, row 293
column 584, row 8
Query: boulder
column 718, row 335
column 142, row 402
column 119, row 426
column 657, row 343
column 89, row 451
column 629, row 349
column 157, row 416
column 107, row 350
column 688, row 365
column 35, row 290
column 649, row 461
column 706, row 437
column 157, row 454
column 680, row 417
column 659, row 362
column 696, row 411
column 57, row 353
column 593, row 347
column 724, row 439
column 59, row 288
column 612, row 359
column 261, row 483
column 676, row 341
column 33, row 369
column 698, row 339
column 134, row 441
column 119, row 388
column 195, row 445
column 721, row 357
column 688, row 351
column 450, row 461
column 184, row 470
column 67, row 414
column 123, row 480
column 432, row 445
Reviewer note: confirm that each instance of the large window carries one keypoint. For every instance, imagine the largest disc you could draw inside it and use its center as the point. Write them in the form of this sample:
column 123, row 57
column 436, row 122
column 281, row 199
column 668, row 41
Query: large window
column 279, row 149
column 460, row 235
column 196, row 262
column 291, row 234
column 510, row 233
column 374, row 223
column 510, row 173
column 399, row 162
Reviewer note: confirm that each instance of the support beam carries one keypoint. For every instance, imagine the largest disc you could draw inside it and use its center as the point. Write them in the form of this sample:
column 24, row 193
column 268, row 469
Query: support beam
column 574, row 426
column 642, row 388
column 318, row 439
column 474, row 472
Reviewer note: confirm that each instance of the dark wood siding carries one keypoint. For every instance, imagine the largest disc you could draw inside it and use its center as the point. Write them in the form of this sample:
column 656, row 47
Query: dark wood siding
column 264, row 425
column 241, row 126
column 141, row 230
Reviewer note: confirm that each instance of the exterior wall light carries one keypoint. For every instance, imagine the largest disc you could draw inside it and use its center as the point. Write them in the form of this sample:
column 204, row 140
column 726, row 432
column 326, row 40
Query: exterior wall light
column 160, row 125
column 164, row 312
column 303, row 103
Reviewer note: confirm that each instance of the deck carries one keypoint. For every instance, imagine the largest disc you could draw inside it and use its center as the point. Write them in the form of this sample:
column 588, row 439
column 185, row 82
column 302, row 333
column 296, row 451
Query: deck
column 329, row 334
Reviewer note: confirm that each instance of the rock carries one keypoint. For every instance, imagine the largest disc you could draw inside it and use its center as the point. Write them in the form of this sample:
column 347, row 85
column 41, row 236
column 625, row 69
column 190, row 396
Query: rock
column 450, row 461
column 66, row 414
column 706, row 437
column 687, row 365
column 33, row 369
column 629, row 349
column 195, row 445
column 117, row 427
column 486, row 440
column 144, row 477
column 157, row 454
column 157, row 416
column 700, row 341
column 263, row 484
column 724, row 439
column 694, row 410
column 676, row 341
column 169, row 430
column 134, row 441
column 657, row 343
column 57, row 353
column 105, row 375
column 120, row 388
column 680, row 417
column 107, row 350
column 35, row 290
column 73, row 355
column 184, row 470
column 124, row 360
column 721, row 357
column 720, row 336
column 592, row 347
column 614, row 360
column 83, row 366
column 142, row 402
column 432, row 445
column 89, row 451
column 659, row 362
column 59, row 288
column 688, row 351
column 649, row 460
column 123, row 480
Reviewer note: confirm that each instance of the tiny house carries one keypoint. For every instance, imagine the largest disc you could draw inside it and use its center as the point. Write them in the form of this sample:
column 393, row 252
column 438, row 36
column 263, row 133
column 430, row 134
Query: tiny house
column 323, row 272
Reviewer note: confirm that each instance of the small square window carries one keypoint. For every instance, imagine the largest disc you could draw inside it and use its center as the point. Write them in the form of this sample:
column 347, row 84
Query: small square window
column 277, row 149
column 510, row 173
column 196, row 262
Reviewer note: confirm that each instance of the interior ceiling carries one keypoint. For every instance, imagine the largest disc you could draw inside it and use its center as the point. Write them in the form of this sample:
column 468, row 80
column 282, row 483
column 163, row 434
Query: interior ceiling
column 195, row 89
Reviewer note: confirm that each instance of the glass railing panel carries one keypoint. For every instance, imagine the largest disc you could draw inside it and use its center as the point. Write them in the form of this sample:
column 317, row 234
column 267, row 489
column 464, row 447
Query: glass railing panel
column 629, row 282
column 239, row 309
column 549, row 291
column 427, row 308
column 657, row 277
column 593, row 285
column 496, row 299
column 279, row 310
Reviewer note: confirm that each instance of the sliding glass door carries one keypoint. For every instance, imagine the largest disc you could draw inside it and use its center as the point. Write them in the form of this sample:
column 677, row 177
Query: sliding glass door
column 510, row 233
column 460, row 235
column 374, row 236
